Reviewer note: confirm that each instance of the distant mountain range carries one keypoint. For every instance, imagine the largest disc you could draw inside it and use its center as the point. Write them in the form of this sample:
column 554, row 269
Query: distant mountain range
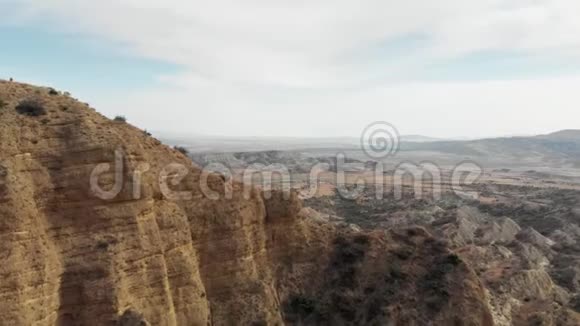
column 569, row 134
column 419, row 138
column 558, row 148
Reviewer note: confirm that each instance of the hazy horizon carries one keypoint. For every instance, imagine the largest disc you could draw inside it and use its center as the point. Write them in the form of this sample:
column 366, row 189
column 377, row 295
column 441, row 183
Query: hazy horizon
column 169, row 134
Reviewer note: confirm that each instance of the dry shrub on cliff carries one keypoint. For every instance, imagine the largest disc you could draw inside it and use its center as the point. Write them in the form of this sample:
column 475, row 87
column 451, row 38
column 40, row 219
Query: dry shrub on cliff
column 181, row 149
column 350, row 252
column 435, row 284
column 343, row 278
column 301, row 305
column 575, row 303
column 31, row 107
column 132, row 318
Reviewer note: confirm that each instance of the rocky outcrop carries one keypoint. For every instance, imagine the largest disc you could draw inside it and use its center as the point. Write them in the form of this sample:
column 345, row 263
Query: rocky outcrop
column 530, row 277
column 514, row 264
column 531, row 236
column 177, row 247
column 502, row 231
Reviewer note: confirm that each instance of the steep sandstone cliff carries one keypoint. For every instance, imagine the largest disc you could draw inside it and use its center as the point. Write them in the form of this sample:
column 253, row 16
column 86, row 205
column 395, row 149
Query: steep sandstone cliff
column 69, row 257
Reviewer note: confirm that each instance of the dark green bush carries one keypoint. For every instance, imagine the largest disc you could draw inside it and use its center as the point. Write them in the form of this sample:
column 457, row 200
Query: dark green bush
column 120, row 118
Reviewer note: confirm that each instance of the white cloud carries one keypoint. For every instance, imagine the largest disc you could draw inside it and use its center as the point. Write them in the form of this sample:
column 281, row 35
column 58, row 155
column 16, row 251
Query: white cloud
column 249, row 66
column 476, row 109
column 301, row 43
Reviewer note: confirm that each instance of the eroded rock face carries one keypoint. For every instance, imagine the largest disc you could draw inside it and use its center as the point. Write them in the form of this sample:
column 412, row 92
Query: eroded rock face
column 69, row 257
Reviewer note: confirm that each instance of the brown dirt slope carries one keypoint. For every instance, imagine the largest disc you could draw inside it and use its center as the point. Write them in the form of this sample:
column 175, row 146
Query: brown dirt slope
column 69, row 258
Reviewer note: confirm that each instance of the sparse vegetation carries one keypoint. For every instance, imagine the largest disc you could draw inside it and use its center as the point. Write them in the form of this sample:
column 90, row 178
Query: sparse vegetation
column 453, row 259
column 434, row 284
column 132, row 317
column 348, row 253
column 404, row 253
column 344, row 295
column 102, row 245
column 146, row 133
column 575, row 303
column 52, row 91
column 181, row 149
column 300, row 305
column 394, row 273
column 259, row 323
column 31, row 107
column 300, row 309
column 120, row 118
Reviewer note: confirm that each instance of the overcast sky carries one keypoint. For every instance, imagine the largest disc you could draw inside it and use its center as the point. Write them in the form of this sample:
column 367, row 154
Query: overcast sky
column 445, row 68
